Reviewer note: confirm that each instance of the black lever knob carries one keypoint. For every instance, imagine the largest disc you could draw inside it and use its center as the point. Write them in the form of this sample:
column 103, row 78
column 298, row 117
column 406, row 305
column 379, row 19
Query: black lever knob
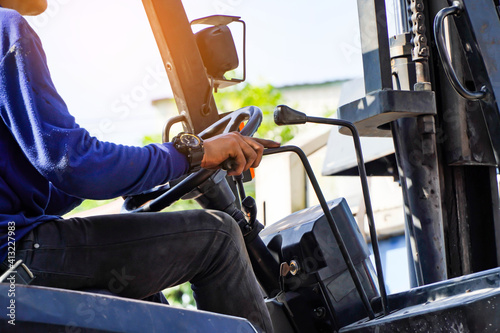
column 285, row 115
column 229, row 164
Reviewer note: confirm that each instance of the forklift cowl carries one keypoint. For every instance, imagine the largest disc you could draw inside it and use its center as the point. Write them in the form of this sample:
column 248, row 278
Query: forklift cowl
column 320, row 279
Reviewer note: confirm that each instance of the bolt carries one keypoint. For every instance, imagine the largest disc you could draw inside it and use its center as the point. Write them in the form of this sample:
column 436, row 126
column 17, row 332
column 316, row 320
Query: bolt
column 294, row 267
column 319, row 312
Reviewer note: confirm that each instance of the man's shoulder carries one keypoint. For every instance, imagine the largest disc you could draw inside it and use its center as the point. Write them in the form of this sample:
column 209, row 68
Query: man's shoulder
column 11, row 19
column 13, row 27
column 12, row 24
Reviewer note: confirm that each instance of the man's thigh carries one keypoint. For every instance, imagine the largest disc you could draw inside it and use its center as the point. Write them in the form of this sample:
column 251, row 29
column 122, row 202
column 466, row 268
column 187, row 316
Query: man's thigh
column 133, row 255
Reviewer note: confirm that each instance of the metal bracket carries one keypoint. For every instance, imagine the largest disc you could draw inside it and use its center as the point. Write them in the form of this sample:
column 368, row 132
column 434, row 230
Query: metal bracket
column 225, row 20
column 372, row 113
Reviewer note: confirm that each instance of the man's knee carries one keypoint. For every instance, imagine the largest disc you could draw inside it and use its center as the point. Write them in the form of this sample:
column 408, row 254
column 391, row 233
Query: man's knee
column 221, row 221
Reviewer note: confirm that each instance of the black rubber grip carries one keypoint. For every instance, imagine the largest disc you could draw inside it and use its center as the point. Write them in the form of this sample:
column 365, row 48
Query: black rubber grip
column 229, row 164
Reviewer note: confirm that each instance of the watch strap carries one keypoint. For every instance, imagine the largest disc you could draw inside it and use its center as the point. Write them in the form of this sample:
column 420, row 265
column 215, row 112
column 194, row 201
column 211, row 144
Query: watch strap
column 194, row 153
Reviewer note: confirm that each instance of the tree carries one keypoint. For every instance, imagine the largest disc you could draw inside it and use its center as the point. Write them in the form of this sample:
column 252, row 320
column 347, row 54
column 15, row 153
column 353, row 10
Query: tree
column 266, row 97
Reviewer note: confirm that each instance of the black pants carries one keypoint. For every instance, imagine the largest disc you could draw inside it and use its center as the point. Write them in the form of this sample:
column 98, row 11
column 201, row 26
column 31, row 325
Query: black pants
column 137, row 255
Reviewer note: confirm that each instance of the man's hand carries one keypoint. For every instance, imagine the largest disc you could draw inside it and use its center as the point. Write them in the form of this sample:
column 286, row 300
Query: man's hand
column 245, row 150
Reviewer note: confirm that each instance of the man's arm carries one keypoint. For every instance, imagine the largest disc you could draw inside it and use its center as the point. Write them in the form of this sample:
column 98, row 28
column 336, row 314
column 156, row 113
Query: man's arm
column 55, row 145
column 78, row 163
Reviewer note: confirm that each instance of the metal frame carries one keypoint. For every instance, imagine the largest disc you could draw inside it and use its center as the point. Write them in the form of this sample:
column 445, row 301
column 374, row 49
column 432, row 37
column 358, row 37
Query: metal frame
column 182, row 60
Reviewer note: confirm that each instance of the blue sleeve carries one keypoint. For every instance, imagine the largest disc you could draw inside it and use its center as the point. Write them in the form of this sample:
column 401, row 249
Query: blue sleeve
column 64, row 153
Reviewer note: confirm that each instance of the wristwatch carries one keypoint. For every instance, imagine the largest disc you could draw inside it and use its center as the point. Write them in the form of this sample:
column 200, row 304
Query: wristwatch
column 191, row 146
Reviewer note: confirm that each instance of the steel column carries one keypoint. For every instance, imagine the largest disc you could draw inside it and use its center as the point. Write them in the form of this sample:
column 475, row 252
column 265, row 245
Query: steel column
column 417, row 158
column 182, row 60
column 416, row 154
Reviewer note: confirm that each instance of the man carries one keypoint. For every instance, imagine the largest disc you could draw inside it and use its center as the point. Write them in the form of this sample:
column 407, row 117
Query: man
column 48, row 164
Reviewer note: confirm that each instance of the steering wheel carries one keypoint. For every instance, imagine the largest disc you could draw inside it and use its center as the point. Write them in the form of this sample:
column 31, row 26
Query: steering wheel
column 165, row 195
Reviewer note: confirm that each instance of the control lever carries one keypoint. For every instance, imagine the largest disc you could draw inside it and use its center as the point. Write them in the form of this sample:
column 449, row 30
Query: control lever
column 248, row 204
column 265, row 267
column 285, row 115
column 228, row 164
column 263, row 263
column 250, row 209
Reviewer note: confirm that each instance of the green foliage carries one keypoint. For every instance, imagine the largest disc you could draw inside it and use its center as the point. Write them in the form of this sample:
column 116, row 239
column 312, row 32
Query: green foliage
column 180, row 296
column 266, row 97
column 89, row 204
column 153, row 138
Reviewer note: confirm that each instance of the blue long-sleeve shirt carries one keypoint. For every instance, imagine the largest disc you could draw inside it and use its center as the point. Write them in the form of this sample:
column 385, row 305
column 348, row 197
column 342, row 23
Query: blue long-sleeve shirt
column 48, row 163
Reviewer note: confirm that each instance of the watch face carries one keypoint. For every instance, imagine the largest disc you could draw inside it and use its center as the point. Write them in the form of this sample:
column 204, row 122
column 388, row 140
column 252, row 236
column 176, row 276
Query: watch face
column 190, row 140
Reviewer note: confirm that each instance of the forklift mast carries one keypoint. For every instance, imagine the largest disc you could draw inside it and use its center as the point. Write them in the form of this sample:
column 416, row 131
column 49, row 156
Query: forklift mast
column 433, row 88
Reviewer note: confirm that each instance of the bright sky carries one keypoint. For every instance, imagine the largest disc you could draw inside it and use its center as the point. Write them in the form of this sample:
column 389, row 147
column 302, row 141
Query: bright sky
column 105, row 62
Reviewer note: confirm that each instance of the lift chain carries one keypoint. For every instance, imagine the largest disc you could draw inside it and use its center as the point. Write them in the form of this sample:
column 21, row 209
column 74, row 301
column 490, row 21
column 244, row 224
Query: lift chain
column 420, row 49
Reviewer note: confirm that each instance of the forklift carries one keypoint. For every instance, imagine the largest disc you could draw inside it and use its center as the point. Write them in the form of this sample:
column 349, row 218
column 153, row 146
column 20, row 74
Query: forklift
column 432, row 87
